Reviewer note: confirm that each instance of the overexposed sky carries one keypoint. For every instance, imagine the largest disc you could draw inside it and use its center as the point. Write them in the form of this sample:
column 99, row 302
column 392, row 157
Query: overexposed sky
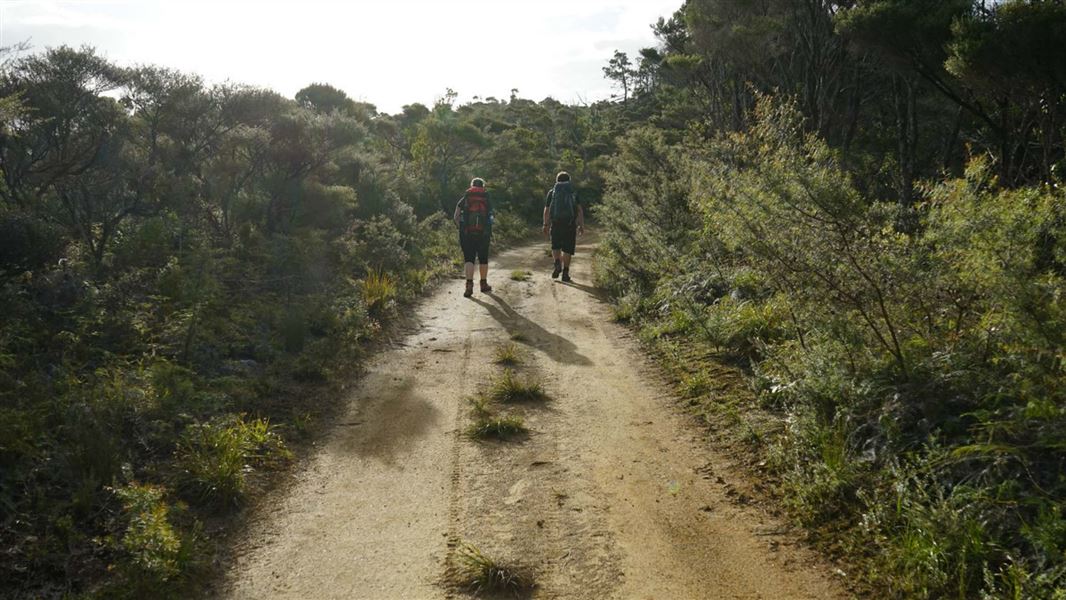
column 388, row 52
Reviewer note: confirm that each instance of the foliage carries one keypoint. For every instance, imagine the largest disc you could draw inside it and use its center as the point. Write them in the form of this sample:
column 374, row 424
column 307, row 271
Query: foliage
column 507, row 355
column 176, row 256
column 499, row 428
column 509, row 387
column 154, row 549
column 378, row 290
column 481, row 574
column 916, row 365
column 214, row 457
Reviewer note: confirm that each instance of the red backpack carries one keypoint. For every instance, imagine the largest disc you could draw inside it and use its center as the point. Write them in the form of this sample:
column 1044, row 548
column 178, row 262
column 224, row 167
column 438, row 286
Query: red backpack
column 476, row 213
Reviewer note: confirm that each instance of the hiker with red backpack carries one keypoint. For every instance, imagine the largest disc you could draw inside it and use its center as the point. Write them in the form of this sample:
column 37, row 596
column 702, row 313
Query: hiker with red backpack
column 567, row 219
column 473, row 216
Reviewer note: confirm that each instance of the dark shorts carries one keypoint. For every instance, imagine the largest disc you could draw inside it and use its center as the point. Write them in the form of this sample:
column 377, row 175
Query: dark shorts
column 564, row 237
column 475, row 247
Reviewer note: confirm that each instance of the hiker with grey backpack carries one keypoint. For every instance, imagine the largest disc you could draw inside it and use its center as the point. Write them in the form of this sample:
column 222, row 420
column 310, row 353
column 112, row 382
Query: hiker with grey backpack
column 564, row 218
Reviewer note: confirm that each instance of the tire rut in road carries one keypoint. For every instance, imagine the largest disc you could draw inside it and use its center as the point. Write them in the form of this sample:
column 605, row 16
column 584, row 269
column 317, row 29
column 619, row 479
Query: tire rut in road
column 604, row 498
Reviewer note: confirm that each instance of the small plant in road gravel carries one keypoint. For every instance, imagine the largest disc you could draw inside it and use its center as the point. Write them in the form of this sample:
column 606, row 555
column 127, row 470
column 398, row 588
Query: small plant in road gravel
column 521, row 275
column 499, row 428
column 511, row 388
column 481, row 406
column 507, row 355
column 482, row 574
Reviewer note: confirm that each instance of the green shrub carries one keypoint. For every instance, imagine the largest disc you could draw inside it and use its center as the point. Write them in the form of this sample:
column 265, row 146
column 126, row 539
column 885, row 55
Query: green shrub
column 174, row 386
column 214, row 457
column 292, row 327
column 932, row 341
column 823, row 477
column 379, row 289
column 155, row 551
column 28, row 243
column 743, row 326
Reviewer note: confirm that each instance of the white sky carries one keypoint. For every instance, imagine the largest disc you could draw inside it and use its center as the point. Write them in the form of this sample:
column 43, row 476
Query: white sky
column 389, row 53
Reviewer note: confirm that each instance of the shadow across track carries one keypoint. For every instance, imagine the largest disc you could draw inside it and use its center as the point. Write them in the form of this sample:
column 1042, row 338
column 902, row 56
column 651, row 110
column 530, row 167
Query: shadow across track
column 555, row 346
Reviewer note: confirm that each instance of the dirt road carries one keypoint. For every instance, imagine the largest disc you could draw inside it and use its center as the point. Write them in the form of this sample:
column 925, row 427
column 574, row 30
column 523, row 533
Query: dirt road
column 611, row 495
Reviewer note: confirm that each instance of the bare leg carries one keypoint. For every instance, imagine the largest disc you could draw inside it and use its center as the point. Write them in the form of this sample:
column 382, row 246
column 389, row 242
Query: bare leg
column 566, row 267
column 470, row 270
column 484, row 268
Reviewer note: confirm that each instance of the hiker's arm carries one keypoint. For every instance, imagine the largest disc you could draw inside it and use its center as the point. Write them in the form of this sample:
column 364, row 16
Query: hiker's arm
column 580, row 218
column 458, row 212
column 547, row 206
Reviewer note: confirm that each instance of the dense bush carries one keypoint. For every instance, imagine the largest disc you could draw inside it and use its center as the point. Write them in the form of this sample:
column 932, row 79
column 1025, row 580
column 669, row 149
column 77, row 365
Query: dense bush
column 174, row 259
column 918, row 372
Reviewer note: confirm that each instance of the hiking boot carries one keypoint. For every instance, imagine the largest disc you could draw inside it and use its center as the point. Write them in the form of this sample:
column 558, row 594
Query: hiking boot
column 469, row 288
column 485, row 287
column 557, row 269
column 566, row 275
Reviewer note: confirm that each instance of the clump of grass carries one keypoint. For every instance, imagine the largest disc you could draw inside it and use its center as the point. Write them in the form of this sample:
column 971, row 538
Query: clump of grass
column 695, row 385
column 214, row 457
column 507, row 355
column 303, row 424
column 498, row 428
column 482, row 574
column 622, row 314
column 520, row 275
column 481, row 406
column 518, row 336
column 379, row 290
column 511, row 388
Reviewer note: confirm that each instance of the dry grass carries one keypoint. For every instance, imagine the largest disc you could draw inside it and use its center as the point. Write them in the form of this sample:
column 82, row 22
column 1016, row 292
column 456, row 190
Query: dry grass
column 481, row 406
column 512, row 388
column 507, row 355
column 482, row 574
column 496, row 428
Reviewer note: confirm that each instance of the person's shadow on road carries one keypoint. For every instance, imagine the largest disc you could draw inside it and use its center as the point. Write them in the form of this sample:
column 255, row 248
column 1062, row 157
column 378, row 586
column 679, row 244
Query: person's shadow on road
column 591, row 290
column 532, row 334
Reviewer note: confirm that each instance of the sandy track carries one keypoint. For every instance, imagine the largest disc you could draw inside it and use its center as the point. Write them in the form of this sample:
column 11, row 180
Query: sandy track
column 612, row 495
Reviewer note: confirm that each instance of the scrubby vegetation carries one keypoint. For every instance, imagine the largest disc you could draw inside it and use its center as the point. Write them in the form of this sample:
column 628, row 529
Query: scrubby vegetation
column 176, row 259
column 869, row 226
column 511, row 387
column 507, row 355
column 496, row 427
column 483, row 575
column 842, row 221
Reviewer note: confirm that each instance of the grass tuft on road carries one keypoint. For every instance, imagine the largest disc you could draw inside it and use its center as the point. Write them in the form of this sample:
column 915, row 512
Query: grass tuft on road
column 482, row 574
column 507, row 355
column 521, row 275
column 512, row 388
column 496, row 428
column 481, row 406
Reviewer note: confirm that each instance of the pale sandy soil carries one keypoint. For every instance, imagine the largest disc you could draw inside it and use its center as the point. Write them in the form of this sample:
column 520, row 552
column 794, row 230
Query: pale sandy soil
column 614, row 494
